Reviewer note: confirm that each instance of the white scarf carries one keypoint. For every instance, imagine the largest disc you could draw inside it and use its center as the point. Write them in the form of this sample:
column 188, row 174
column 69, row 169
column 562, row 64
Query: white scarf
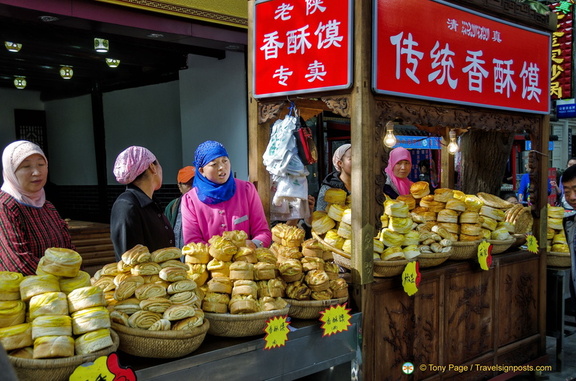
column 14, row 154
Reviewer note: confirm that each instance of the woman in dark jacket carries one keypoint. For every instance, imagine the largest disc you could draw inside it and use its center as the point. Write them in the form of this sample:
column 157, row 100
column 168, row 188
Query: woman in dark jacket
column 341, row 178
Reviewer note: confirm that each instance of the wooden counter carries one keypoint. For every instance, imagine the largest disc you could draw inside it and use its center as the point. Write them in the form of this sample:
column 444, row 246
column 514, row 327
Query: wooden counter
column 92, row 241
column 461, row 315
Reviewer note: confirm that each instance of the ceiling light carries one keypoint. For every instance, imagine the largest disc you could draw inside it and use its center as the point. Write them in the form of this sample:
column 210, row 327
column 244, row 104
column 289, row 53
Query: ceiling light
column 390, row 140
column 155, row 35
column 13, row 47
column 66, row 72
column 112, row 62
column 101, row 45
column 48, row 18
column 20, row 81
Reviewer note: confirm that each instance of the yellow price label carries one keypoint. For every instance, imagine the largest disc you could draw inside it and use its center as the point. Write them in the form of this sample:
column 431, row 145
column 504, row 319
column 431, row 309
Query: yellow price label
column 485, row 255
column 411, row 278
column 104, row 368
column 532, row 244
column 336, row 319
column 276, row 332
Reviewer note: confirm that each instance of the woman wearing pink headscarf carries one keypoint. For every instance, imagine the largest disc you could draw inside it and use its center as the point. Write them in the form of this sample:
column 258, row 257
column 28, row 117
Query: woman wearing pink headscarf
column 137, row 217
column 397, row 171
column 340, row 178
column 29, row 224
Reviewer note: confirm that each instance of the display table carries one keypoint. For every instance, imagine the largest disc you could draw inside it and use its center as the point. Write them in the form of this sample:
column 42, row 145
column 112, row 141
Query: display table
column 306, row 352
column 461, row 316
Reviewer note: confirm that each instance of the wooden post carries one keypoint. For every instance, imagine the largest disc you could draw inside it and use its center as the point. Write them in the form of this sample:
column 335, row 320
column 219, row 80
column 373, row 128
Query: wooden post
column 258, row 135
column 362, row 126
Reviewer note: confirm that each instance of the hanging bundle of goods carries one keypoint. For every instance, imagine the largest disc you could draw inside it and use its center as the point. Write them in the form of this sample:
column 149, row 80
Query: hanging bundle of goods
column 424, row 225
column 556, row 244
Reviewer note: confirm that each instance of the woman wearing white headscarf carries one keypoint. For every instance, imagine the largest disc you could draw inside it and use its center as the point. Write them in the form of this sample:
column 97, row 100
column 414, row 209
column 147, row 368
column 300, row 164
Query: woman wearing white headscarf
column 137, row 217
column 340, row 178
column 29, row 224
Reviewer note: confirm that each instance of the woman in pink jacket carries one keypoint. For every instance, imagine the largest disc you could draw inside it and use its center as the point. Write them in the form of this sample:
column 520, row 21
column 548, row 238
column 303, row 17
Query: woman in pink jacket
column 218, row 202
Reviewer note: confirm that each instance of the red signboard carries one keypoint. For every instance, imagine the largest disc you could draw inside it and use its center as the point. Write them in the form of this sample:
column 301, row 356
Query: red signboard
column 302, row 46
column 433, row 50
column 561, row 72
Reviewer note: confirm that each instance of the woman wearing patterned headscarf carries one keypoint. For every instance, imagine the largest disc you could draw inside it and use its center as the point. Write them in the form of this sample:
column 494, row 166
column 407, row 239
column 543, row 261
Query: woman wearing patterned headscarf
column 218, row 202
column 340, row 178
column 29, row 224
column 137, row 217
column 398, row 169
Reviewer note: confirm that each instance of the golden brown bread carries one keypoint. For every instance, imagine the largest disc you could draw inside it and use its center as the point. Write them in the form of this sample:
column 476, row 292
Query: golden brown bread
column 165, row 254
column 138, row 254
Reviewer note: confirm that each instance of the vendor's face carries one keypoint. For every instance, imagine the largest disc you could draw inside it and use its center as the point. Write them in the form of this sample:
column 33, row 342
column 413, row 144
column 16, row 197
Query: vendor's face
column 402, row 169
column 346, row 162
column 32, row 173
column 570, row 192
column 218, row 170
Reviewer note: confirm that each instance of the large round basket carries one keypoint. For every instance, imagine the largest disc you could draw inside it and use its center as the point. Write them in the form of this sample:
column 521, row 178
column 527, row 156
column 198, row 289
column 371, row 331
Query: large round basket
column 386, row 269
column 501, row 245
column 57, row 369
column 160, row 344
column 519, row 240
column 463, row 250
column 433, row 259
column 555, row 259
column 241, row 325
column 310, row 309
column 341, row 257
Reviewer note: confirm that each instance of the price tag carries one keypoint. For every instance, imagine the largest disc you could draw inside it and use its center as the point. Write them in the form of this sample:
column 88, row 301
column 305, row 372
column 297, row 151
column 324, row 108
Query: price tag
column 336, row 319
column 532, row 244
column 276, row 332
column 485, row 255
column 103, row 368
column 411, row 278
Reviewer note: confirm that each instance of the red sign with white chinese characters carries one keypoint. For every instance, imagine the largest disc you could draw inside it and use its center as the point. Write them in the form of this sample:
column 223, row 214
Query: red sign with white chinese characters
column 302, row 46
column 561, row 73
column 432, row 50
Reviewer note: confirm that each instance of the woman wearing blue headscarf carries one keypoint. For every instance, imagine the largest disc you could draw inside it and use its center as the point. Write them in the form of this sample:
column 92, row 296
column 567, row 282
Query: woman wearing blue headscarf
column 218, row 202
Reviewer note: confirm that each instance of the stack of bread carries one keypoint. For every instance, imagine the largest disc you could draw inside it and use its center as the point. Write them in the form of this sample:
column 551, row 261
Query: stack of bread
column 151, row 290
column 306, row 268
column 63, row 319
column 555, row 237
column 236, row 275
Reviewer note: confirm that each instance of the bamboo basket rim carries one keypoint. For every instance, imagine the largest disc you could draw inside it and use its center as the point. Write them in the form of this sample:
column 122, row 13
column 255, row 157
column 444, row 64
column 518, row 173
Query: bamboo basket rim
column 466, row 243
column 165, row 335
column 558, row 259
column 332, row 248
column 228, row 317
column 316, row 303
column 66, row 361
column 501, row 241
column 241, row 325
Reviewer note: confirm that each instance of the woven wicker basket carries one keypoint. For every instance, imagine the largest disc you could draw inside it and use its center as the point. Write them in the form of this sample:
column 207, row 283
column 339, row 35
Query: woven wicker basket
column 500, row 246
column 310, row 309
column 57, row 369
column 519, row 240
column 555, row 259
column 160, row 344
column 385, row 269
column 463, row 250
column 433, row 259
column 241, row 325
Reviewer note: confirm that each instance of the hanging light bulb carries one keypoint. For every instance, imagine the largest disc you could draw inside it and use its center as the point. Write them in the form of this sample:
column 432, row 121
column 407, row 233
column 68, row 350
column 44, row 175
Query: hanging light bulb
column 389, row 139
column 453, row 145
column 101, row 45
column 112, row 62
column 13, row 47
column 66, row 72
column 20, row 81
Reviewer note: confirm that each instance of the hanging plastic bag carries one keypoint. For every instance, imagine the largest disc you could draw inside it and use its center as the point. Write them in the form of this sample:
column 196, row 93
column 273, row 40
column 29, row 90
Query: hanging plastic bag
column 281, row 147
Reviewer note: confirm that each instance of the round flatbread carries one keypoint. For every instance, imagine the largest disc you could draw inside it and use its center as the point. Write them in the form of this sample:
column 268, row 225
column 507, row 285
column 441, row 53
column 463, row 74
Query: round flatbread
column 494, row 201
